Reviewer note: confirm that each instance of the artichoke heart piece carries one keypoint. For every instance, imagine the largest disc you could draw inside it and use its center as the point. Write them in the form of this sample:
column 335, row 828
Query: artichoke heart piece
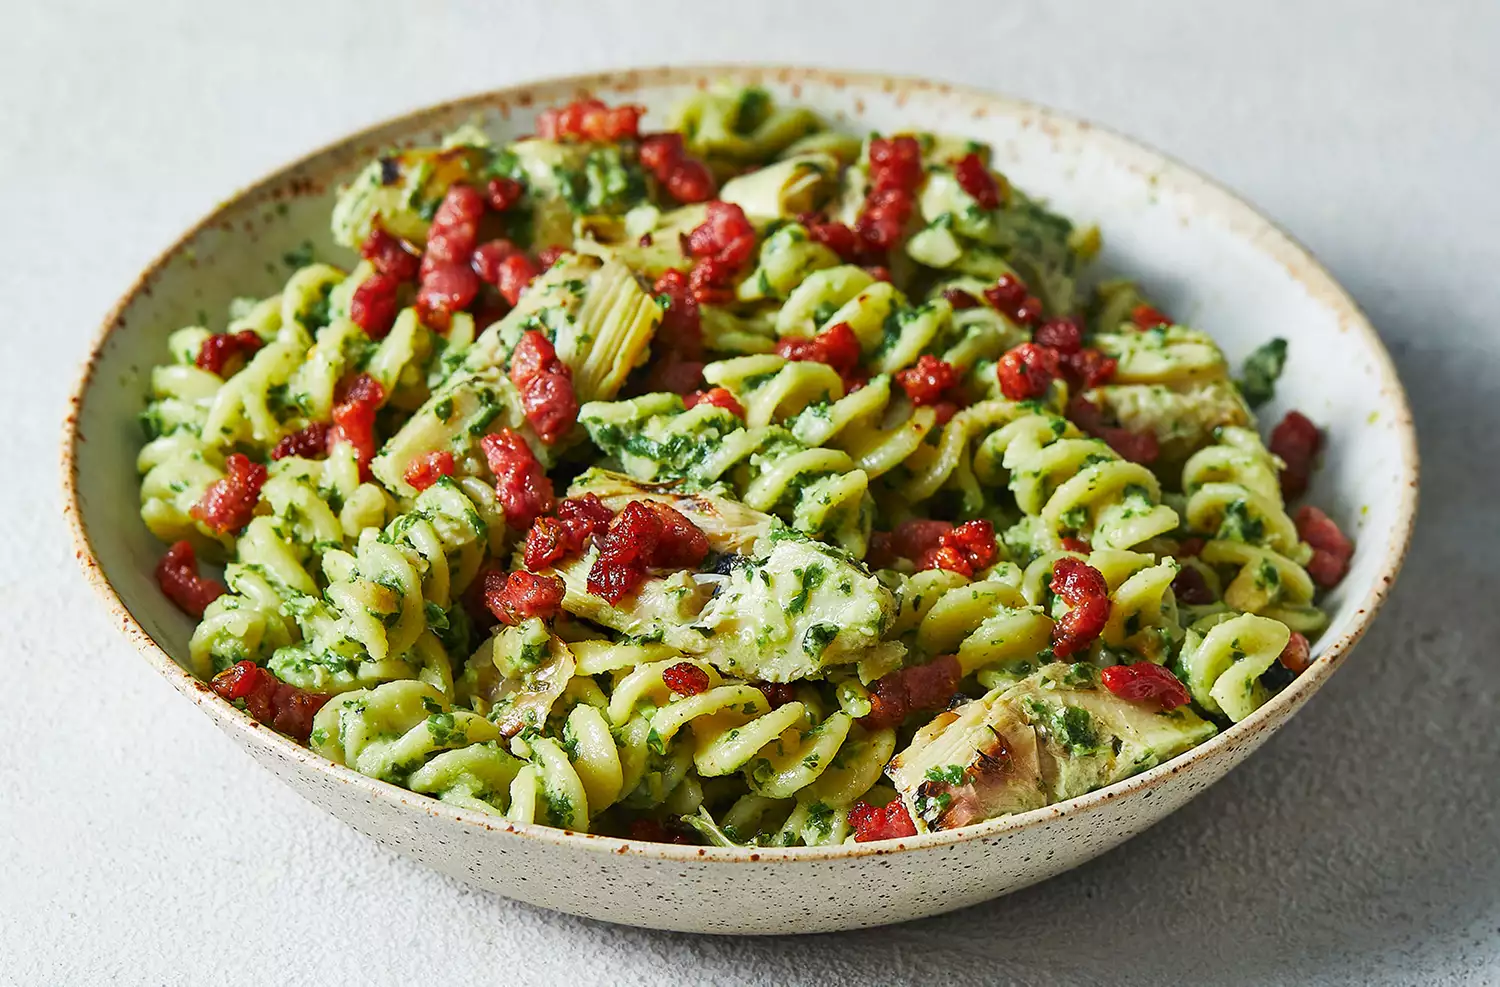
column 1053, row 735
column 401, row 191
column 597, row 316
column 792, row 612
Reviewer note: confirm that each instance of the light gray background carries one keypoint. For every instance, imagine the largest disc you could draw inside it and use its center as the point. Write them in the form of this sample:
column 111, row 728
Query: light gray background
column 137, row 845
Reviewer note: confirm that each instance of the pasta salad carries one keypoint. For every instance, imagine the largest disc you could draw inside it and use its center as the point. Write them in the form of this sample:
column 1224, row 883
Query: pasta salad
column 743, row 482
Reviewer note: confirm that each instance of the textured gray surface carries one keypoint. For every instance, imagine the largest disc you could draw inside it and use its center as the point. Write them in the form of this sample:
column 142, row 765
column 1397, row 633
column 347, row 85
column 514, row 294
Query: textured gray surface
column 1359, row 846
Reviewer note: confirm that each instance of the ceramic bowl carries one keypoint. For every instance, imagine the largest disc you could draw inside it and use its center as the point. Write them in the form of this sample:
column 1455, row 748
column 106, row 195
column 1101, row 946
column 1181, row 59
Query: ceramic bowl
column 1208, row 257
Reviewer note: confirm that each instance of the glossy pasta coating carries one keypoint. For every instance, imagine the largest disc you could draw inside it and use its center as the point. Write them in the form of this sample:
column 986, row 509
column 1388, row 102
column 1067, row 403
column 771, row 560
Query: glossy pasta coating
column 875, row 597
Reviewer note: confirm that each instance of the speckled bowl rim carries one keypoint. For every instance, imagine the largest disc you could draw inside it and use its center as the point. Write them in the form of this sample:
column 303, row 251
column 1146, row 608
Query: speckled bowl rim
column 1209, row 197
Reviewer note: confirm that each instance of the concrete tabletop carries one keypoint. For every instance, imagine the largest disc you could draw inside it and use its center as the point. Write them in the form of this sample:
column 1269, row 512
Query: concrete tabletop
column 1360, row 846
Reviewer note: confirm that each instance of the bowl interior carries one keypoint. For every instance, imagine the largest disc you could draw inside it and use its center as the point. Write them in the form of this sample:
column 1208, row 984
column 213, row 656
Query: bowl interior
column 1211, row 261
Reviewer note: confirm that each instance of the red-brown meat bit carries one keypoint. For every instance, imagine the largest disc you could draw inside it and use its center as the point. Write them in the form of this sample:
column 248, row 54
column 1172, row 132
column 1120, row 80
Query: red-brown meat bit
column 960, row 299
column 929, row 382
column 712, row 282
column 517, row 596
column 534, row 354
column 1296, row 440
column 895, row 163
column 965, row 549
column 554, row 538
column 448, row 280
column 1076, row 545
column 504, row 193
column 590, row 120
column 777, row 694
column 836, row 346
column 373, row 305
column 677, row 350
column 354, row 420
column 1145, row 682
column 445, row 290
column 177, row 575
column 883, row 219
column 839, row 238
column 514, row 276
column 454, row 232
column 485, row 261
column 888, row 822
column 1088, row 368
column 310, row 442
column 690, row 181
column 1189, row 547
column 1063, row 335
column 1149, row 317
column 428, row 468
column 1138, row 447
column 975, row 179
column 1026, row 371
column 1083, row 588
column 718, row 397
column 283, row 707
column 915, row 538
column 546, row 543
column 685, row 678
column 221, row 350
column 881, row 552
column 584, row 517
column 1297, row 655
column 685, row 179
column 621, row 565
column 681, row 545
column 645, row 535
column 723, row 244
column 550, row 404
column 1011, row 298
column 390, row 255
column 229, row 502
column 1331, row 548
column 1191, row 588
column 895, row 173
column 546, row 387
column 521, row 485
column 659, row 152
column 921, row 687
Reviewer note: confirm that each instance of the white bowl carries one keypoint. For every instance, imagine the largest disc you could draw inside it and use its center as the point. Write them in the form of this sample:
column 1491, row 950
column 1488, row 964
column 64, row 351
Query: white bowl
column 1209, row 258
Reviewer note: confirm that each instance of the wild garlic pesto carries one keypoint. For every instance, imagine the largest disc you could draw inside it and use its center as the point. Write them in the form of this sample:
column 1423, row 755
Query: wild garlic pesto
column 744, row 483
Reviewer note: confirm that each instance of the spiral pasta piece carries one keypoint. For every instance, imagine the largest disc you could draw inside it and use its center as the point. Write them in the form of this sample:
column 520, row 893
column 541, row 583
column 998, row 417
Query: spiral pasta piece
column 1171, row 380
column 786, row 259
column 405, row 732
column 1075, row 486
column 877, row 430
column 790, row 752
column 988, row 624
column 1234, row 499
column 1224, row 657
column 960, row 458
column 382, row 600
